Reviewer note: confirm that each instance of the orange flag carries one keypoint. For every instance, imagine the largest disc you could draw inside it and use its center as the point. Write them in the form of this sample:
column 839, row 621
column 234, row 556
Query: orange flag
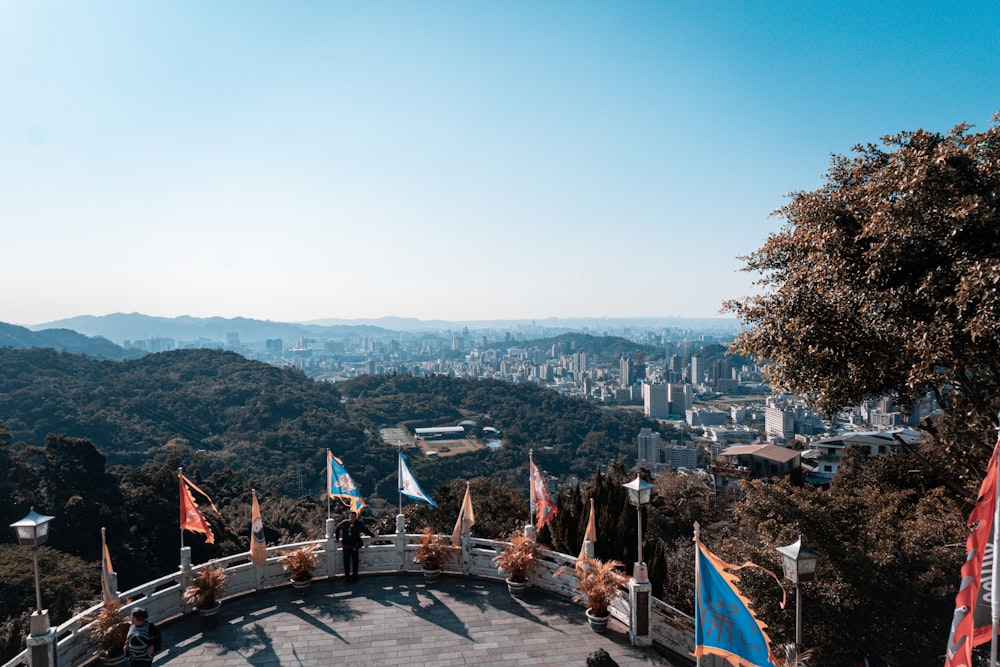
column 466, row 519
column 107, row 591
column 591, row 533
column 258, row 547
column 191, row 517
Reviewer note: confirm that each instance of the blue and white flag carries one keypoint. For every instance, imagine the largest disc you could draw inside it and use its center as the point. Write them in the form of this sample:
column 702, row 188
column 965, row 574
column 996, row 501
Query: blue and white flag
column 340, row 485
column 408, row 484
column 724, row 626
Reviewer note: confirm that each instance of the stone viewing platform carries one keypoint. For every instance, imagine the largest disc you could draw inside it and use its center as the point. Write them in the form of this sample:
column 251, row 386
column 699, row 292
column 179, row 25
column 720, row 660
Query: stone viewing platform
column 398, row 620
column 393, row 616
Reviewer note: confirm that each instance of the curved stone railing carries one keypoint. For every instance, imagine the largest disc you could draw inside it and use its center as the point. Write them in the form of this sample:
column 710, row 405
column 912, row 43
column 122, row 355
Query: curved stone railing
column 670, row 628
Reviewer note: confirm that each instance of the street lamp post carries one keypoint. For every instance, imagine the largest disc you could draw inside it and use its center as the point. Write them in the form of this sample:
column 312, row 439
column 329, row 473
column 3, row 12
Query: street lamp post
column 33, row 531
column 640, row 591
column 799, row 564
column 638, row 494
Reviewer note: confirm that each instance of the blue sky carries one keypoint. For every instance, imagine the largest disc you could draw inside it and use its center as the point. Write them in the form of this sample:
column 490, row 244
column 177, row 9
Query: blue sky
column 441, row 160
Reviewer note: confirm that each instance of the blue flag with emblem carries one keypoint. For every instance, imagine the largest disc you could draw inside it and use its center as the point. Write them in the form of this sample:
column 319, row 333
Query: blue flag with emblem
column 340, row 485
column 724, row 626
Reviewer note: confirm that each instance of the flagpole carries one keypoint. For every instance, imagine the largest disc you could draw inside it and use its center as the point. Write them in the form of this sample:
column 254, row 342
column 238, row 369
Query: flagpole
column 399, row 475
column 531, row 489
column 180, row 471
column 995, row 603
column 329, row 484
column 697, row 586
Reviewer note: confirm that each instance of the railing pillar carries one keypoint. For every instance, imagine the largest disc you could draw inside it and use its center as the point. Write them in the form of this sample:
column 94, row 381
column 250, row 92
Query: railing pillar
column 400, row 542
column 331, row 547
column 42, row 649
column 640, row 598
column 466, row 555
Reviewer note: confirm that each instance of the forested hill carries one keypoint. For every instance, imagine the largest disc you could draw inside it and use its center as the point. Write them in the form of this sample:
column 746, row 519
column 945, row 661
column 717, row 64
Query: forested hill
column 212, row 409
column 64, row 340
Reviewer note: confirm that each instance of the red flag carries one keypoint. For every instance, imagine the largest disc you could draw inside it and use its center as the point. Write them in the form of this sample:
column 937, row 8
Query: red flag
column 540, row 496
column 191, row 517
column 972, row 624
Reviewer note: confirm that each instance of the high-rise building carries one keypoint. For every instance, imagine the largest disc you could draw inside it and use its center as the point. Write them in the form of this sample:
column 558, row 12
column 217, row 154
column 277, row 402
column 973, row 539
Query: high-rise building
column 649, row 447
column 697, row 373
column 779, row 422
column 626, row 371
column 680, row 398
column 655, row 400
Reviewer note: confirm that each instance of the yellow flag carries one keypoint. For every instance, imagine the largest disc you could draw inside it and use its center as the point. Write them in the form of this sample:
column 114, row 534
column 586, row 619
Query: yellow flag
column 466, row 519
column 106, row 571
column 258, row 547
column 591, row 533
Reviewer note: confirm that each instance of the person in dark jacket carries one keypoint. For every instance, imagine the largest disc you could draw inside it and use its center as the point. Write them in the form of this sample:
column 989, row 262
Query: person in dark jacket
column 143, row 639
column 348, row 533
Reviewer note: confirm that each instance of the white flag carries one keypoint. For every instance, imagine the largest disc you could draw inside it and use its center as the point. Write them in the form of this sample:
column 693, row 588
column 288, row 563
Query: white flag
column 408, row 484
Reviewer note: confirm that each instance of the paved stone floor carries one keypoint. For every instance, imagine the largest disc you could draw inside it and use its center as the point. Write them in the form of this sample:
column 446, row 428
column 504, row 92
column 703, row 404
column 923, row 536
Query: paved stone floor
column 397, row 620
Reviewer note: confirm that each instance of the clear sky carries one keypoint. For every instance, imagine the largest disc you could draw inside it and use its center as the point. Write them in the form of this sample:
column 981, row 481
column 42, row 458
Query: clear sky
column 464, row 160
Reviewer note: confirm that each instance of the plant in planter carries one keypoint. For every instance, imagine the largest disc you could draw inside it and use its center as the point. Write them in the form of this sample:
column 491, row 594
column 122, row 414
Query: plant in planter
column 301, row 562
column 598, row 584
column 431, row 552
column 517, row 560
column 107, row 633
column 205, row 590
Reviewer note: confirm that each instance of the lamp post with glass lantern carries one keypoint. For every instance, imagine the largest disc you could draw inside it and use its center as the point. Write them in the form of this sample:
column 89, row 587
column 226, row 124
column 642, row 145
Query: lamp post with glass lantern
column 639, row 588
column 799, row 564
column 33, row 531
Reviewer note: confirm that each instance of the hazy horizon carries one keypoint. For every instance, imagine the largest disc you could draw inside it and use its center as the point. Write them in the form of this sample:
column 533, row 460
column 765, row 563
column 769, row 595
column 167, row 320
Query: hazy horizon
column 442, row 160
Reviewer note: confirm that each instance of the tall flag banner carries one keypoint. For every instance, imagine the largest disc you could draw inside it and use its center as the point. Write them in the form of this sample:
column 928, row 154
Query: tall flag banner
column 591, row 534
column 724, row 626
column 972, row 623
column 408, row 484
column 466, row 519
column 541, row 499
column 107, row 591
column 258, row 546
column 191, row 517
column 340, row 485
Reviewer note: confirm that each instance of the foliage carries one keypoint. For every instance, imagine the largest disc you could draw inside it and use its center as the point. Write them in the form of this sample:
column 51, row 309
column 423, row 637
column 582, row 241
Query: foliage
column 300, row 561
column 893, row 541
column 598, row 583
column 206, row 587
column 432, row 549
column 518, row 557
column 886, row 280
column 108, row 629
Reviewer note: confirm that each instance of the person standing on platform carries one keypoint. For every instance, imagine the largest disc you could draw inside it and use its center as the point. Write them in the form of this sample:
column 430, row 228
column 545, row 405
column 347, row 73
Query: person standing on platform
column 143, row 639
column 349, row 533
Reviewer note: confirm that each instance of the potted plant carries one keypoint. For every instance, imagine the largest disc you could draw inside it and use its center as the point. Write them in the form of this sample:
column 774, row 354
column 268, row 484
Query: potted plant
column 431, row 552
column 107, row 633
column 598, row 584
column 205, row 590
column 517, row 559
column 301, row 562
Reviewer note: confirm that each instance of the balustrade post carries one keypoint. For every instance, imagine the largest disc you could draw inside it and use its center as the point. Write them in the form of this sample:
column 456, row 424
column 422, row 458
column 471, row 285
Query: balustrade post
column 331, row 548
column 400, row 542
column 640, row 599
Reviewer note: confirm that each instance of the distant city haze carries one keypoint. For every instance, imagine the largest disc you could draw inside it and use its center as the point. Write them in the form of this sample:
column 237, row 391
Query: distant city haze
column 441, row 161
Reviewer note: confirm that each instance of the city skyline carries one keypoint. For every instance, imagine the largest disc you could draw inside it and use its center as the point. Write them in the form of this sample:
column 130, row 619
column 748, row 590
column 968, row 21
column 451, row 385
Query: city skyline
column 442, row 161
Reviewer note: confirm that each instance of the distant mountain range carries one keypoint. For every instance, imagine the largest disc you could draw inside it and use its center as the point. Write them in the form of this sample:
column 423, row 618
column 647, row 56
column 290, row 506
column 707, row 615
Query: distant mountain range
column 120, row 327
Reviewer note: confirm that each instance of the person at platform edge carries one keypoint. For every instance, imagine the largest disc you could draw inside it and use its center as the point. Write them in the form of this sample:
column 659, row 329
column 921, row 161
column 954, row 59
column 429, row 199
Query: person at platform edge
column 351, row 529
column 143, row 639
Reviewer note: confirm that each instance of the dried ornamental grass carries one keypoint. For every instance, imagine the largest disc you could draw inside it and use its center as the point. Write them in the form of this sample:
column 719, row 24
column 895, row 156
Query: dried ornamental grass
column 109, row 629
column 206, row 587
column 598, row 583
column 517, row 557
column 432, row 549
column 301, row 562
